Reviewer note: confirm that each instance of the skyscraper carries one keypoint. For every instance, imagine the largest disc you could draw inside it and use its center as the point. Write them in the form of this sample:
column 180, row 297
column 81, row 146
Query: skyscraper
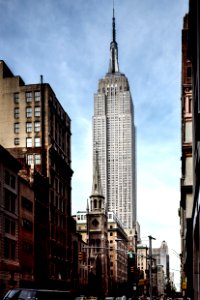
column 114, row 139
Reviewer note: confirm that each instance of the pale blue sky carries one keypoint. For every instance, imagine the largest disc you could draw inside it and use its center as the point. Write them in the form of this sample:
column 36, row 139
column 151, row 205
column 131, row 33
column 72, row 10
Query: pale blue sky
column 67, row 41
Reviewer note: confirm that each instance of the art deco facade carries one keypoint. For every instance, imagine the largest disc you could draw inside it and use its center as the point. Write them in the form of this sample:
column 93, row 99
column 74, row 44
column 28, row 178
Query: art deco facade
column 114, row 139
column 37, row 131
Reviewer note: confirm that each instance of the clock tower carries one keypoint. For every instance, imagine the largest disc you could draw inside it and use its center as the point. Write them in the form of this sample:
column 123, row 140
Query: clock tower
column 98, row 256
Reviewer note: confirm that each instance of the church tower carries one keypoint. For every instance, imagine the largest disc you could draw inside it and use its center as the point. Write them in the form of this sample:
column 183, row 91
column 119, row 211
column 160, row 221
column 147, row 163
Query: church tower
column 97, row 238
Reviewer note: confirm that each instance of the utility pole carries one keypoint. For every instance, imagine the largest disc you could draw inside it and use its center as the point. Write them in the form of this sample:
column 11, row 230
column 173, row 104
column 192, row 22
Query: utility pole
column 150, row 265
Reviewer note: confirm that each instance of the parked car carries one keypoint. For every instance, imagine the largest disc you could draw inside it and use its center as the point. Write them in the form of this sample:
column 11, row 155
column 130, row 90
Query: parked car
column 121, row 298
column 39, row 294
column 80, row 297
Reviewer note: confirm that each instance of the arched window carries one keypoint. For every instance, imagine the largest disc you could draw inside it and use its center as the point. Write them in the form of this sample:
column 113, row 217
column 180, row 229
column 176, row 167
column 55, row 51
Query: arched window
column 95, row 203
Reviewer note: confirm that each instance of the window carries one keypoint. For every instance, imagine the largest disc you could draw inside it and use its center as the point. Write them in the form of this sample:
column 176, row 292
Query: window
column 27, row 247
column 10, row 179
column 30, row 159
column 16, row 112
column 56, row 184
column 37, row 159
column 37, row 126
column 26, row 224
column 95, row 203
column 10, row 226
column 28, row 96
column 7, row 177
column 37, row 96
column 37, row 111
column 9, row 249
column 37, row 142
column 28, row 142
column 16, row 127
column 190, row 105
column 27, row 204
column 9, row 201
column 28, row 127
column 16, row 141
column 16, row 98
column 28, row 112
column 189, row 72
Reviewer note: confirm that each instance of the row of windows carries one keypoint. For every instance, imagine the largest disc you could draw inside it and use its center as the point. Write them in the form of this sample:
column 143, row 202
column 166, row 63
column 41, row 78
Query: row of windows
column 81, row 217
column 29, row 112
column 33, row 159
column 28, row 96
column 10, row 248
column 112, row 89
column 29, row 142
column 10, row 199
column 29, row 127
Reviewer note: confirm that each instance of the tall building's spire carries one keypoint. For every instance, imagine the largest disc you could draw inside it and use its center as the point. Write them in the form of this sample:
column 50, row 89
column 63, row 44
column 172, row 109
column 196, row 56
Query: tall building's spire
column 113, row 65
column 113, row 25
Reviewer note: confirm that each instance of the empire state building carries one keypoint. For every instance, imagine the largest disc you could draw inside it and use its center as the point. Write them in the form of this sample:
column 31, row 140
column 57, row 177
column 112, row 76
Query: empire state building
column 114, row 139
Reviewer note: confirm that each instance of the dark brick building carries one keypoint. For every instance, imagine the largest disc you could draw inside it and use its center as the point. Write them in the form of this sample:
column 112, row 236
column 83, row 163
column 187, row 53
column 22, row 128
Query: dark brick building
column 36, row 130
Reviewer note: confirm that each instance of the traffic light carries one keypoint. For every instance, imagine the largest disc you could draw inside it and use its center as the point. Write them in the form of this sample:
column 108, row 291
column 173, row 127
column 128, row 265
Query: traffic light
column 132, row 269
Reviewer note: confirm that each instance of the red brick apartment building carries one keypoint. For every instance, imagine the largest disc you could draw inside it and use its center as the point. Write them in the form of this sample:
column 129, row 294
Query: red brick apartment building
column 36, row 130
